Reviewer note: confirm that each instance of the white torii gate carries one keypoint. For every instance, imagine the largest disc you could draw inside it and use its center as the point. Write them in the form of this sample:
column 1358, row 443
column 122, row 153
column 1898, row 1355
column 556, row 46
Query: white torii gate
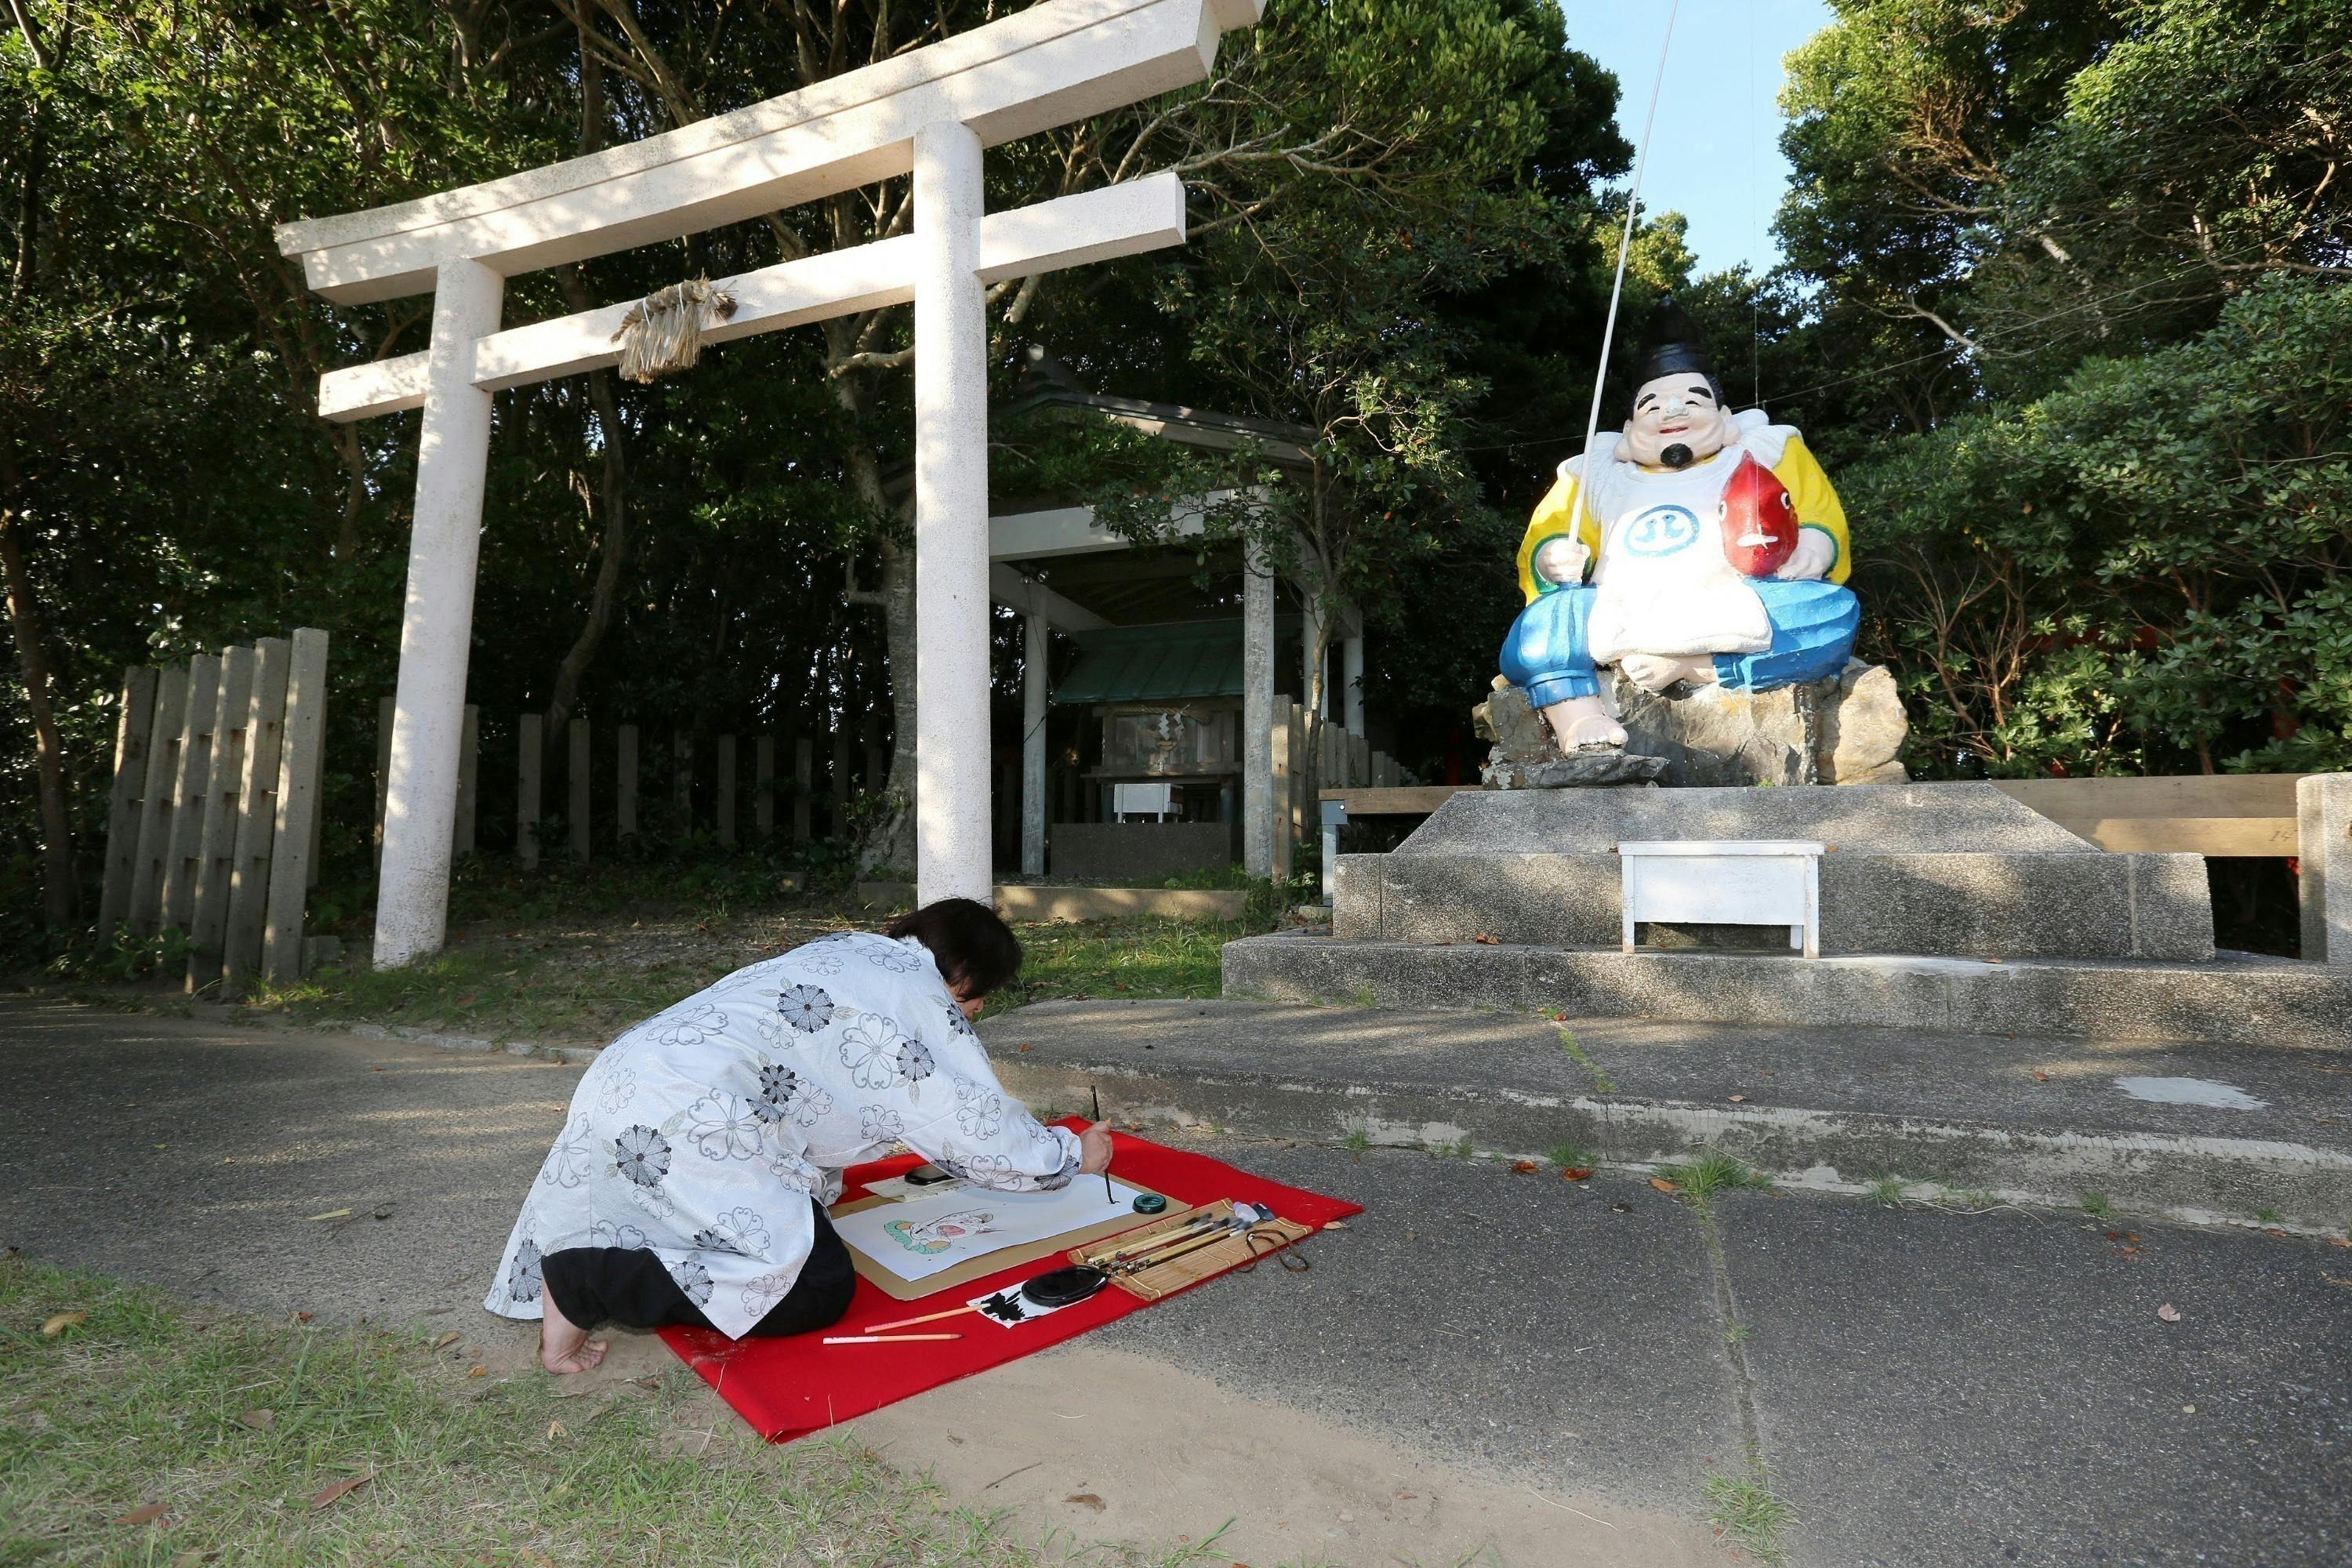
column 928, row 113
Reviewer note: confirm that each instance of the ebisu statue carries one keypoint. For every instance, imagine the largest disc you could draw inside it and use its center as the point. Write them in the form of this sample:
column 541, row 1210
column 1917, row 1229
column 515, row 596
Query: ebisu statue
column 1718, row 550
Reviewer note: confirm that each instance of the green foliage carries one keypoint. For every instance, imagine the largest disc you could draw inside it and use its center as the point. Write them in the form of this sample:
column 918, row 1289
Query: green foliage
column 2148, row 568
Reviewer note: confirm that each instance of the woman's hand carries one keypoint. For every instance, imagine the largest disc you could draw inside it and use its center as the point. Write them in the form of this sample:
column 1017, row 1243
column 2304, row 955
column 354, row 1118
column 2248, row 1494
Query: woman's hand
column 1094, row 1149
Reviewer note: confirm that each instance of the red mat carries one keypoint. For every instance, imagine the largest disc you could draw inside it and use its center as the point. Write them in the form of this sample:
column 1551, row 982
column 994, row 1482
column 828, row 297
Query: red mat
column 787, row 1387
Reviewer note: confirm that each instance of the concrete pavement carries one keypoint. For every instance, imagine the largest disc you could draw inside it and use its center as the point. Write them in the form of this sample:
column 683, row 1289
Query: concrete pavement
column 1546, row 1370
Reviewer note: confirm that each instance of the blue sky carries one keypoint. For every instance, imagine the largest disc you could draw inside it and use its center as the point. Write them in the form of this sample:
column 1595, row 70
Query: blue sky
column 1716, row 158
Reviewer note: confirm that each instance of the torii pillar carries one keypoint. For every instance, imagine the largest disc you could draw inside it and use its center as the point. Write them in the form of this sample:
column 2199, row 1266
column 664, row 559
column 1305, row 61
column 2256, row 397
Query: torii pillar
column 928, row 113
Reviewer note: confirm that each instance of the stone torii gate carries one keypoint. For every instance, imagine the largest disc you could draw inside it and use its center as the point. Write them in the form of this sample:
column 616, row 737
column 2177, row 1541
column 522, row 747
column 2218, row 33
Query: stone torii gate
column 928, row 113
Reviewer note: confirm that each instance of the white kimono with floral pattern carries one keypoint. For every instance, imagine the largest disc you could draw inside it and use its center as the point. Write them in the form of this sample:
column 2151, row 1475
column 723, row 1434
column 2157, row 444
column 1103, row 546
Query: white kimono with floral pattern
column 702, row 1132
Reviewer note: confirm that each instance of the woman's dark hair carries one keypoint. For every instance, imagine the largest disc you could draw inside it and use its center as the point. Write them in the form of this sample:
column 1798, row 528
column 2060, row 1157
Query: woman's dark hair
column 976, row 950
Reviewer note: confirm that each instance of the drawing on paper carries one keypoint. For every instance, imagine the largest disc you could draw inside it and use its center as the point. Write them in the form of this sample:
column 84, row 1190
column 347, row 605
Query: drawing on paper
column 940, row 1231
column 934, row 1236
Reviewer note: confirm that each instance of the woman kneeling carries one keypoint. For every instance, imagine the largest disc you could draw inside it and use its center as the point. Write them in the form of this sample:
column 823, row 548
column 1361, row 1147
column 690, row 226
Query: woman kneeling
column 690, row 1183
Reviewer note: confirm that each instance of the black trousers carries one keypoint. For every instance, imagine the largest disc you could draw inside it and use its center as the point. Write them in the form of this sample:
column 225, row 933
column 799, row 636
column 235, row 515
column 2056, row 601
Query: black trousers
column 632, row 1286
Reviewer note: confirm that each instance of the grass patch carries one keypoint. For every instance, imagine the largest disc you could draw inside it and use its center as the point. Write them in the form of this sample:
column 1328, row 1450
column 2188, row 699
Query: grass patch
column 1138, row 959
column 1357, row 1142
column 232, row 1428
column 2096, row 1205
column 2268, row 1216
column 1571, row 1157
column 1749, row 1514
column 1976, row 1198
column 1711, row 1172
column 1887, row 1191
column 1601, row 1082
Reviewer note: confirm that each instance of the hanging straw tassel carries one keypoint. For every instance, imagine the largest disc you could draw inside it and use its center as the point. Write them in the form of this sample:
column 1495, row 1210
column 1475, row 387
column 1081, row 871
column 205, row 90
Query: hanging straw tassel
column 663, row 332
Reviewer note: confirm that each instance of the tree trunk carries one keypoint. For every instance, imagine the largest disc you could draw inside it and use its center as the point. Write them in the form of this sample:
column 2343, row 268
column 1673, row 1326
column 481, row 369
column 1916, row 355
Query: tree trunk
column 59, row 891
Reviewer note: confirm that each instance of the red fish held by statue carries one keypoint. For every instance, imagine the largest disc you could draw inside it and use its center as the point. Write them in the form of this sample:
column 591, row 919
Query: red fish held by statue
column 1760, row 521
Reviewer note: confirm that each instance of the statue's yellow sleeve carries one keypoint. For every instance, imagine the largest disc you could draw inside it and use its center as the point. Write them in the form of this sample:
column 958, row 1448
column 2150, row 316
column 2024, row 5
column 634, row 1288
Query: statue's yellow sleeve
column 1817, row 505
column 1558, row 515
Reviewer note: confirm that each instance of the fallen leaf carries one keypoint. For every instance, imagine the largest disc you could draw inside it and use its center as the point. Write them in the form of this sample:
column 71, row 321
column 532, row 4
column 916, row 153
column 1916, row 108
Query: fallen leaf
column 304, row 1316
column 1335, row 1225
column 187, row 1560
column 330, row 1214
column 260, row 1420
column 554, row 1430
column 2041, row 1077
column 1739, row 1100
column 2168, row 1312
column 1485, row 941
column 2333, row 1280
column 475, row 1370
column 60, row 1321
column 1621, row 1208
column 1018, row 1048
column 436, row 1311
column 1992, row 960
column 142, row 1513
column 382, row 1211
column 1663, row 1185
column 1086, row 1499
column 468, row 1001
column 1575, row 1173
column 446, row 1340
column 329, row 1494
column 1523, row 1167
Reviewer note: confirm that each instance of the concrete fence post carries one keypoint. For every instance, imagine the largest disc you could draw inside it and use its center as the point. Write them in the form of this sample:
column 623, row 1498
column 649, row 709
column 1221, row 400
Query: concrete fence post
column 2323, row 809
column 386, row 712
column 803, row 787
column 682, row 782
column 624, row 799
column 575, row 780
column 724, row 801
column 764, row 787
column 531, row 756
column 840, row 785
column 470, row 782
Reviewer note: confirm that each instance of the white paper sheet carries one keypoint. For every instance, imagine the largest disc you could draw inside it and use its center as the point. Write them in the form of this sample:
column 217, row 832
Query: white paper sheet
column 939, row 1231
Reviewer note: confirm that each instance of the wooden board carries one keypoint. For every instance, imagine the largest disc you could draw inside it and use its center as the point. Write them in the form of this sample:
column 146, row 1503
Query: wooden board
column 987, row 1263
column 2245, row 816
column 1410, row 800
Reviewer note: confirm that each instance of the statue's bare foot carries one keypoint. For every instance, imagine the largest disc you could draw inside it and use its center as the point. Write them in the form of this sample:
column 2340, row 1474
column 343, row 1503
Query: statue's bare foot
column 1658, row 671
column 564, row 1346
column 1582, row 724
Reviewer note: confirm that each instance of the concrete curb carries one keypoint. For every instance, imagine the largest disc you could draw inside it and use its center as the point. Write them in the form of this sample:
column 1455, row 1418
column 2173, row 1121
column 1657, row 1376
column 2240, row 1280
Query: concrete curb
column 2236, row 1000
column 2197, row 1181
column 575, row 1054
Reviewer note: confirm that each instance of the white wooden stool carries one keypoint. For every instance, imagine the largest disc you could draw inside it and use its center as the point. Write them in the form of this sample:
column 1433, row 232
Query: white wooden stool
column 1726, row 881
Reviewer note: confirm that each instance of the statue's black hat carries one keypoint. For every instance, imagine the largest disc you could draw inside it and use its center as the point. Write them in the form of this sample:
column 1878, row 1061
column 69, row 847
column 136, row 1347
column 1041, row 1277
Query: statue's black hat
column 1670, row 344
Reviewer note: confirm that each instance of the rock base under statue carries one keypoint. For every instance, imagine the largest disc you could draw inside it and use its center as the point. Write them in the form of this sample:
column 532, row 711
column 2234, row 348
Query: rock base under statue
column 1526, row 757
column 1848, row 730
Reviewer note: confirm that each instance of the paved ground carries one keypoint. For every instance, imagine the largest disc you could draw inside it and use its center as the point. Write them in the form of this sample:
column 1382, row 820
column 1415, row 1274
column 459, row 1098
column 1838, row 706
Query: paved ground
column 1549, row 1370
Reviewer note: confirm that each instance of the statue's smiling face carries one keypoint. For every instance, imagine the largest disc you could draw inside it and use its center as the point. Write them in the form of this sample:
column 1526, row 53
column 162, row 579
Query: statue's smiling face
column 1677, row 420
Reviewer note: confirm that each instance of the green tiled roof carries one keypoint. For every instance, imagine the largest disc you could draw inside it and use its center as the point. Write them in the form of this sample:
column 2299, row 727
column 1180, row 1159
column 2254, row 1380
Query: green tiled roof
column 1155, row 664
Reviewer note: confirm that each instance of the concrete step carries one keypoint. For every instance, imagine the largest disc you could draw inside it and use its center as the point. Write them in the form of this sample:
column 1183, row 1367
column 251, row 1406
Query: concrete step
column 2236, row 999
column 2190, row 1132
column 2005, row 904
column 1943, row 869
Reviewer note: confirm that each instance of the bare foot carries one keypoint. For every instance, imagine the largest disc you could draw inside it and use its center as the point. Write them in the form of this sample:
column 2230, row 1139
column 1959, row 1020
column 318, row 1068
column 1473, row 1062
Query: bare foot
column 1581, row 723
column 564, row 1346
column 1658, row 671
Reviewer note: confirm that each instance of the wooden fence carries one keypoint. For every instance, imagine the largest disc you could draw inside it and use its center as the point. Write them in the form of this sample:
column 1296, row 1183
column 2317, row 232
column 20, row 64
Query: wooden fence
column 1312, row 757
column 212, row 822
column 726, row 817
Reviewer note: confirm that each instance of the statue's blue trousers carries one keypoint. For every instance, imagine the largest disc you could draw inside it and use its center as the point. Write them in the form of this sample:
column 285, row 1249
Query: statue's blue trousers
column 1546, row 654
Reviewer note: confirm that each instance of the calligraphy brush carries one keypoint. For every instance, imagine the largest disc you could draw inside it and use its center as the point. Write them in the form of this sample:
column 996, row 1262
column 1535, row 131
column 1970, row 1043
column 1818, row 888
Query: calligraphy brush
column 1109, row 1196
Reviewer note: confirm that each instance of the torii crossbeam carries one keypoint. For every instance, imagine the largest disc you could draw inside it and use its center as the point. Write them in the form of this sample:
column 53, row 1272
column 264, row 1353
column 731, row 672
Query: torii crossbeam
column 928, row 113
